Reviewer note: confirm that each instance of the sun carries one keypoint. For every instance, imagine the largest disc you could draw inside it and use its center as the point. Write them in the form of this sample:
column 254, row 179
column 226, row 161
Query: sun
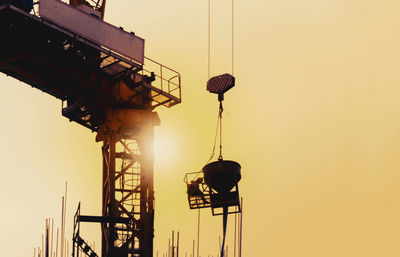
column 164, row 148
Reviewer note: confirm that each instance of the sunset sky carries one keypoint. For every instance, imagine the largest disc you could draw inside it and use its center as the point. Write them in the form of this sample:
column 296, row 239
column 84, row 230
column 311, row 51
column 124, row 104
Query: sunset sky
column 314, row 120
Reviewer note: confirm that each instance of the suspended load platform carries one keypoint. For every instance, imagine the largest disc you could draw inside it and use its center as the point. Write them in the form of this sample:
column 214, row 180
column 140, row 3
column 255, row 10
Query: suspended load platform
column 216, row 186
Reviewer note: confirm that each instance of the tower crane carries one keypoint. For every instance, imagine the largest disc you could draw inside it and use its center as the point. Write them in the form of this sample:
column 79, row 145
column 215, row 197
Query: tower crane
column 99, row 73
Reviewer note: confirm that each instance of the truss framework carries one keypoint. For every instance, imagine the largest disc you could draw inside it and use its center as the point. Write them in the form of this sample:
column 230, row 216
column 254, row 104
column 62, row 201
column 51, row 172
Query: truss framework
column 127, row 193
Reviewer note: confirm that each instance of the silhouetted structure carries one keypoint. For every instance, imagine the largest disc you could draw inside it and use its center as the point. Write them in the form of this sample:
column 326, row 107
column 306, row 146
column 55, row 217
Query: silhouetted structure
column 97, row 71
column 216, row 186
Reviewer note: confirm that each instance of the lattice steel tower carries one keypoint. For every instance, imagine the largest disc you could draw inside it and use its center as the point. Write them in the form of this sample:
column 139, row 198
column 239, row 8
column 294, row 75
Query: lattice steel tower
column 106, row 84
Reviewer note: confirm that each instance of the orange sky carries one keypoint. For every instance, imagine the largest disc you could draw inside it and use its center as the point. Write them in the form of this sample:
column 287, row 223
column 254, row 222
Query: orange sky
column 314, row 120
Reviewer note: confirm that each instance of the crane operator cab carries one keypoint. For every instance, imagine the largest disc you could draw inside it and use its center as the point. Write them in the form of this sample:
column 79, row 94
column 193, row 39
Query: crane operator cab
column 26, row 5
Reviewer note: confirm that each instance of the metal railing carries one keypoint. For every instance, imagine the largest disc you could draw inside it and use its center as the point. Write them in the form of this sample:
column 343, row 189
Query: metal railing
column 167, row 82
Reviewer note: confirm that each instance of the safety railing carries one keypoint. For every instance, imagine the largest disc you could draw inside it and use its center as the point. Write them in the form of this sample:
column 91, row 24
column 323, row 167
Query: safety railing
column 167, row 84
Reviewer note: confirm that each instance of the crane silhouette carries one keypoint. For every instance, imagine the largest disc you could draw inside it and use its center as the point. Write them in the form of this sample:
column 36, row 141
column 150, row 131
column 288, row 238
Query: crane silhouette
column 98, row 71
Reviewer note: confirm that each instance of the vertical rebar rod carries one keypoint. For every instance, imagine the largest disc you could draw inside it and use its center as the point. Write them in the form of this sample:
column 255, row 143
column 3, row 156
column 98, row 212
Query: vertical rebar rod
column 169, row 247
column 241, row 217
column 177, row 246
column 65, row 212
column 198, row 233
column 41, row 250
column 52, row 230
column 57, row 243
column 219, row 240
column 234, row 238
column 173, row 244
column 47, row 238
column 62, row 228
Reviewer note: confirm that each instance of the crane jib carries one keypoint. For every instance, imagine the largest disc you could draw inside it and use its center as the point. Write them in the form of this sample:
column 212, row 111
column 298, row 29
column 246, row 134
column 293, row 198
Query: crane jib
column 93, row 29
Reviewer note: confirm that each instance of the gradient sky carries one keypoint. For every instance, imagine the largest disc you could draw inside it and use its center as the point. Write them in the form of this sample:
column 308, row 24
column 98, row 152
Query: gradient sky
column 314, row 120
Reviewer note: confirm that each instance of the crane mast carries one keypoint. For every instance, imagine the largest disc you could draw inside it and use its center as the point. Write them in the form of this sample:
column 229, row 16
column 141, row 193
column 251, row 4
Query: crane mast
column 128, row 183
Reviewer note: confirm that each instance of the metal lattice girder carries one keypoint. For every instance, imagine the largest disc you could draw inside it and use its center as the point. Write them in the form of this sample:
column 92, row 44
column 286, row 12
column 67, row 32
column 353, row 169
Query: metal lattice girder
column 128, row 183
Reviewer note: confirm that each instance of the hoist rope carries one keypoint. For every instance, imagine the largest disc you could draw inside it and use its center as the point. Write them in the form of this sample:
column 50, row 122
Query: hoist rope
column 225, row 208
column 219, row 119
column 216, row 136
column 232, row 38
column 209, row 39
column 221, row 109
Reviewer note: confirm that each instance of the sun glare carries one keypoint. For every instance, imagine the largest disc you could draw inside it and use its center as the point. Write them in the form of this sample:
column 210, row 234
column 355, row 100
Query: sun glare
column 164, row 148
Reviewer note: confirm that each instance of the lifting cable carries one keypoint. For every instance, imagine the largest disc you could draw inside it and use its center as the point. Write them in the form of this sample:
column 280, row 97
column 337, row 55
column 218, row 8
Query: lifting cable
column 220, row 97
column 219, row 126
column 225, row 209
column 220, row 111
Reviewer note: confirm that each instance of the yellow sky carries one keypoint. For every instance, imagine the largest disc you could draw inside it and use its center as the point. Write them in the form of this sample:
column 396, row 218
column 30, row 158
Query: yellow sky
column 314, row 121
